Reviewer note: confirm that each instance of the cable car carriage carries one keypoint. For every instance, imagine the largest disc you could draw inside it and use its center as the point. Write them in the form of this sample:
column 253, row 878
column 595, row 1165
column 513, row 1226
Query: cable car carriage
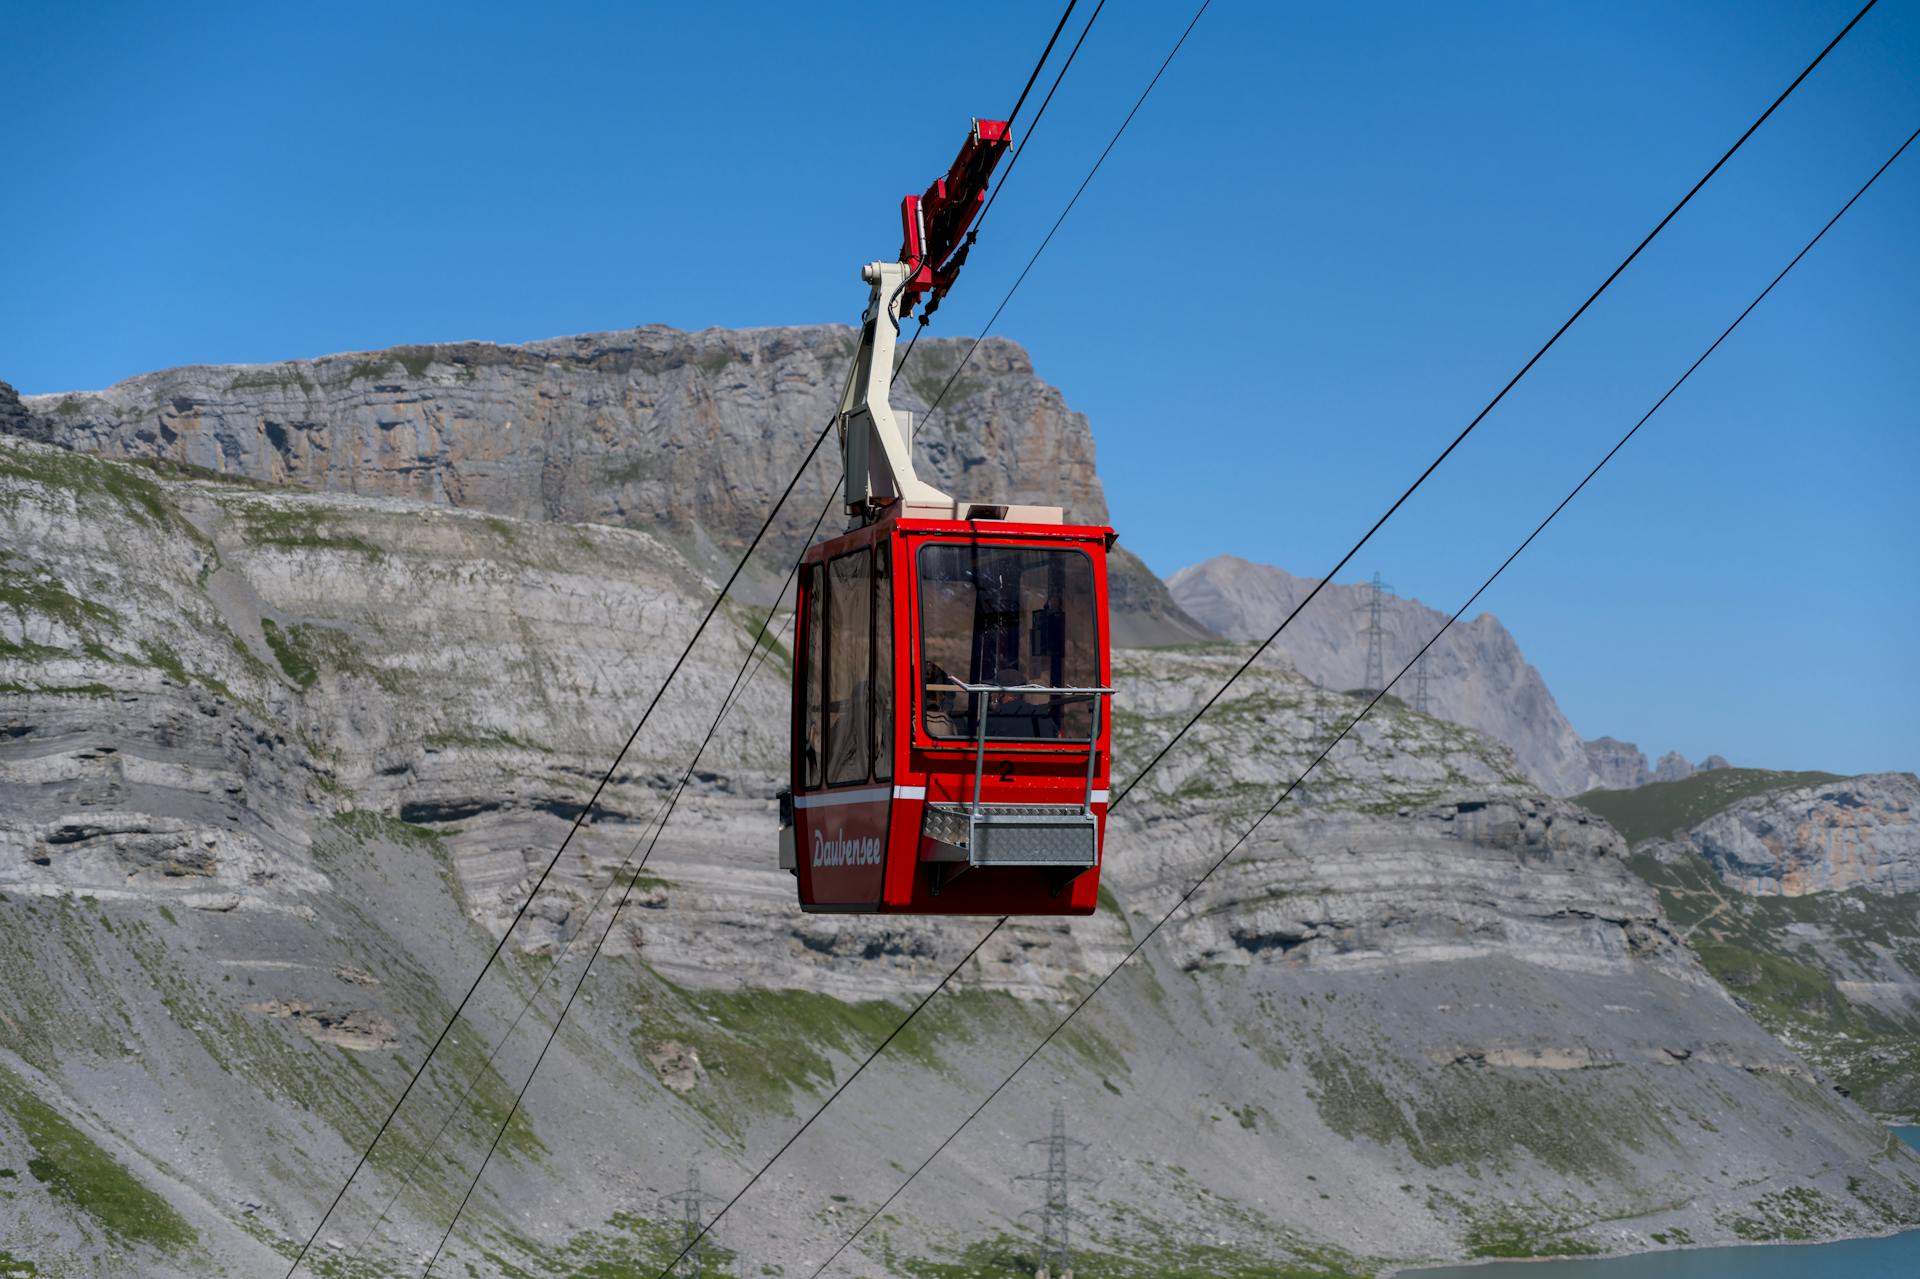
column 951, row 728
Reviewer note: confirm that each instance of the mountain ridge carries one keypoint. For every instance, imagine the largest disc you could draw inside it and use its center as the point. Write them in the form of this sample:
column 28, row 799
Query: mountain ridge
column 278, row 764
column 276, row 767
column 1478, row 674
column 690, row 435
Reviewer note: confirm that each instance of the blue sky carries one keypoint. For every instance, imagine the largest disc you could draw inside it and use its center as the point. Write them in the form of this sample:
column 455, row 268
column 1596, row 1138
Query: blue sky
column 1332, row 233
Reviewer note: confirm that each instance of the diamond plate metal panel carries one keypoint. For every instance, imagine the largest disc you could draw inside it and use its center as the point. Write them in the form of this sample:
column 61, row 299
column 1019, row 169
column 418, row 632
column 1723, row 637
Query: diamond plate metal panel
column 1034, row 841
column 945, row 825
column 1015, row 834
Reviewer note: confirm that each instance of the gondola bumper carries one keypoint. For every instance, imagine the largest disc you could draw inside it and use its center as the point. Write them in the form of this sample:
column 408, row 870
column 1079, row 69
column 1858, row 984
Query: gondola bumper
column 1059, row 836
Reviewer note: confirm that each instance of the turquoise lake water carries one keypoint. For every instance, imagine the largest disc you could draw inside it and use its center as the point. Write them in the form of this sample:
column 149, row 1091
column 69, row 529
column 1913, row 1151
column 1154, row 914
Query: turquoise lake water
column 1897, row 1257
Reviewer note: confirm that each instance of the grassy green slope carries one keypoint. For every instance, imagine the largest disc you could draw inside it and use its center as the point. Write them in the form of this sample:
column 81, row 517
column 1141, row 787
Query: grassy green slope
column 1784, row 958
column 1762, row 949
column 76, row 1171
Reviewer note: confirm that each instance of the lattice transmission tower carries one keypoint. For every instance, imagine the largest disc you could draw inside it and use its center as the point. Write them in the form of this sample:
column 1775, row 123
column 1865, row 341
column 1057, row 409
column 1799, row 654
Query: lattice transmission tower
column 1057, row 1214
column 692, row 1205
column 1420, row 686
column 1376, row 637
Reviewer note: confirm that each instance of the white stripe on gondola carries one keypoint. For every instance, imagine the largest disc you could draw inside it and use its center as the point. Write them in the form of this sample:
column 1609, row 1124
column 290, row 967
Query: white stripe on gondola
column 873, row 794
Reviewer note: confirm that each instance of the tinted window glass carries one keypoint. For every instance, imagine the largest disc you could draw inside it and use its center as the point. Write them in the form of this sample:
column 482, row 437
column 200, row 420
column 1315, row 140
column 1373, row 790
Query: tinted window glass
column 882, row 666
column 814, row 671
column 849, row 623
column 1008, row 615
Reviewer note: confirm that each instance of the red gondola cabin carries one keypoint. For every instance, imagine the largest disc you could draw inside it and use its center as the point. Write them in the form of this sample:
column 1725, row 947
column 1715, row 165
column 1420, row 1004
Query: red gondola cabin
column 951, row 734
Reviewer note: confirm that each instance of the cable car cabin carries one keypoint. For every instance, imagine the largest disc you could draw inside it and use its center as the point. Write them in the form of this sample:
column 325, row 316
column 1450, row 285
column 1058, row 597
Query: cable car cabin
column 951, row 726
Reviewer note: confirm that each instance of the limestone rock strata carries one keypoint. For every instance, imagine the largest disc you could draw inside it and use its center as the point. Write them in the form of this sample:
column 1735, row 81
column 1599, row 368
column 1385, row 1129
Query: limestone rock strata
column 1805, row 902
column 277, row 769
column 1861, row 832
column 690, row 436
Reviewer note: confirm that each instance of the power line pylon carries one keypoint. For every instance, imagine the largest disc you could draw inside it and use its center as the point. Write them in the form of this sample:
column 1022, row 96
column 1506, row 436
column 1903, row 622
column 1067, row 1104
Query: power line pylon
column 1420, row 686
column 692, row 1203
column 1376, row 679
column 1056, row 1214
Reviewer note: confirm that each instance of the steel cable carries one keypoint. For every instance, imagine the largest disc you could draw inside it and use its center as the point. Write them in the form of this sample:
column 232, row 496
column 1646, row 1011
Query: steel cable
column 1014, row 159
column 724, row 591
column 1351, row 724
column 985, row 937
column 754, row 648
column 943, row 983
column 1481, row 415
column 1180, row 734
column 756, row 653
column 1081, row 189
column 1045, row 53
column 947, row 979
column 533, row 892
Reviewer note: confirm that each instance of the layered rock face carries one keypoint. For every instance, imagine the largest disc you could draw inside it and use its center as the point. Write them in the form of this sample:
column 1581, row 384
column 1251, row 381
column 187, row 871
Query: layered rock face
column 1478, row 676
column 690, row 436
column 1862, row 832
column 276, row 770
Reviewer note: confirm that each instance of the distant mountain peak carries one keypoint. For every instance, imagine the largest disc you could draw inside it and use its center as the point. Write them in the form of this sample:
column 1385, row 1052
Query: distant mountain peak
column 1477, row 674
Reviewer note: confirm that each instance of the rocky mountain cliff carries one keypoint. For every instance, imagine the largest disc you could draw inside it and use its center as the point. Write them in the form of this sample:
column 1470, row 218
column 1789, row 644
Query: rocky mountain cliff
column 1616, row 765
column 1859, row 832
column 276, row 768
column 690, row 436
column 1802, row 893
column 15, row 419
column 1477, row 674
column 1619, row 765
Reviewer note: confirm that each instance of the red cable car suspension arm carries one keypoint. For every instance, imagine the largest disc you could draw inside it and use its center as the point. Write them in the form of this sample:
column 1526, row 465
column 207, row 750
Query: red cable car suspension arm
column 937, row 224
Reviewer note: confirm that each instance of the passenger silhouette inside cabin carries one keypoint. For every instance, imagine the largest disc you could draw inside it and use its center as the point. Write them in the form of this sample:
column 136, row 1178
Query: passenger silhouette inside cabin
column 1013, row 714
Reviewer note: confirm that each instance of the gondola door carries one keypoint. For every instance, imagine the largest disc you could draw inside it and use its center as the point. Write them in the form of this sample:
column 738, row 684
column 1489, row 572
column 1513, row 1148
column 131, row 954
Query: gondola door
column 844, row 747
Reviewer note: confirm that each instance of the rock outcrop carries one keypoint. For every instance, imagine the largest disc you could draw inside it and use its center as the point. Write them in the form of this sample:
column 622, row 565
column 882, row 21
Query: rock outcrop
column 16, row 420
column 690, row 436
column 1804, row 899
column 1621, row 765
column 277, row 768
column 1673, row 767
column 1862, row 832
column 1616, row 765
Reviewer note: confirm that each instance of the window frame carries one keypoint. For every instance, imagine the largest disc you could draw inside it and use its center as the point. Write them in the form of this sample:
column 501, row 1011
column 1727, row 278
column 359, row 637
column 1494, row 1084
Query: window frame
column 813, row 666
column 828, row 781
column 881, row 695
column 926, row 739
